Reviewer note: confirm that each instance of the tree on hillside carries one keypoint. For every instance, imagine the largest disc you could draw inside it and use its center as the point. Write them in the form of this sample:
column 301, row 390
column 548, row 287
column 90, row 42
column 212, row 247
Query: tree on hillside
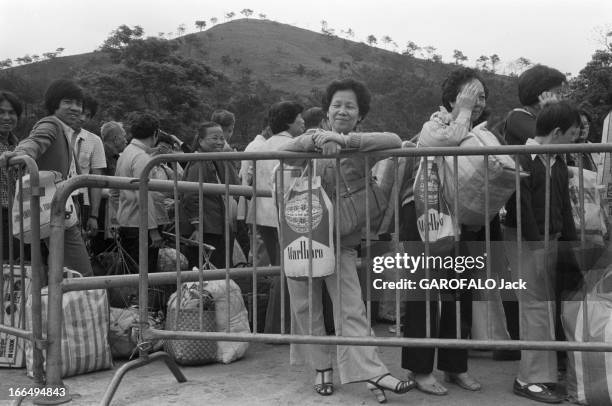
column 214, row 20
column 387, row 40
column 411, row 48
column 180, row 30
column 49, row 55
column 201, row 24
column 7, row 63
column 325, row 30
column 247, row 12
column 459, row 57
column 119, row 39
column 430, row 51
column 523, row 63
column 482, row 62
column 35, row 58
column 262, row 16
column 230, row 15
column 436, row 58
column 349, row 33
column 372, row 40
column 494, row 61
column 59, row 51
column 151, row 74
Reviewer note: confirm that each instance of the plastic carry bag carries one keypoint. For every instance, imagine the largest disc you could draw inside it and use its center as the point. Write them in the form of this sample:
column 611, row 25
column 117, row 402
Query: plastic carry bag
column 594, row 214
column 294, row 223
column 85, row 323
column 589, row 374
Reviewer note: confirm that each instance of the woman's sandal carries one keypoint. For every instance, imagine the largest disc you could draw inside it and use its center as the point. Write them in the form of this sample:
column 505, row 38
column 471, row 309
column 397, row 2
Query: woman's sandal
column 326, row 387
column 379, row 390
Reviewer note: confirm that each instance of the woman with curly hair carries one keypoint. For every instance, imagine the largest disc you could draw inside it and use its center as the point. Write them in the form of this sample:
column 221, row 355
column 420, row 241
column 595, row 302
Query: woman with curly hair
column 346, row 102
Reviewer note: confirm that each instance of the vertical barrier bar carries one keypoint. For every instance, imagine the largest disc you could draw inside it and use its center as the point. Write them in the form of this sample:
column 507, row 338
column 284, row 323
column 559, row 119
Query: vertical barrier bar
column 547, row 238
column 519, row 235
column 427, row 292
column 396, row 208
column 200, row 239
column 456, row 247
column 254, row 243
column 488, row 243
column 309, row 168
column 228, row 249
column 338, row 248
column 281, row 239
column 368, row 225
column 585, row 313
column 177, row 246
column 143, row 259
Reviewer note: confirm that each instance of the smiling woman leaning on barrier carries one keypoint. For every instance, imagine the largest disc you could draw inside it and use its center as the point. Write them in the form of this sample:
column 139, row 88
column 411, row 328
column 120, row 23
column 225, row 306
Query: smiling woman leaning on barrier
column 347, row 102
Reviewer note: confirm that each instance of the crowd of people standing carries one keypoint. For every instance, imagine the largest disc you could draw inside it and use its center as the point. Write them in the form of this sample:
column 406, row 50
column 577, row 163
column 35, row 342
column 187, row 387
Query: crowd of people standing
column 59, row 143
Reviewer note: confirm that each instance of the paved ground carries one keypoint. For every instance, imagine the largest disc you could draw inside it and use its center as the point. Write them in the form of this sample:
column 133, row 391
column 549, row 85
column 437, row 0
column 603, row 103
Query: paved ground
column 264, row 377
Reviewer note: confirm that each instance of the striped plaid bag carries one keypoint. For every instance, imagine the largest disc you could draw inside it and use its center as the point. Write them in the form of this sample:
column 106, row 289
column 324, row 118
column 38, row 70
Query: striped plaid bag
column 85, row 324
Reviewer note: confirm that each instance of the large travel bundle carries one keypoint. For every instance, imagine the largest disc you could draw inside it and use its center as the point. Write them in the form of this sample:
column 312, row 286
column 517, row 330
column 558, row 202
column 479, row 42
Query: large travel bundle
column 594, row 211
column 435, row 223
column 294, row 224
column 85, row 321
column 191, row 318
column 589, row 374
column 48, row 180
column 472, row 184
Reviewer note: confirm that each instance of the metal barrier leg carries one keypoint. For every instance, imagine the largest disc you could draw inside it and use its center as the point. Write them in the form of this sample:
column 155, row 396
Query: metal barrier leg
column 140, row 362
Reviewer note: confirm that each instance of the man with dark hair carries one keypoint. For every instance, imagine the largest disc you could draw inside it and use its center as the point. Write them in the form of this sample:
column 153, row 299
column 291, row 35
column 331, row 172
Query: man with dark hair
column 315, row 117
column 227, row 121
column 90, row 157
column 557, row 123
column 536, row 86
column 49, row 144
column 144, row 129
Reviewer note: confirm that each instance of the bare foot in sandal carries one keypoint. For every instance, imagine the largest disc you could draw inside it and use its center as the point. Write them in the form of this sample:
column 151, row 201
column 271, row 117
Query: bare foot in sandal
column 428, row 383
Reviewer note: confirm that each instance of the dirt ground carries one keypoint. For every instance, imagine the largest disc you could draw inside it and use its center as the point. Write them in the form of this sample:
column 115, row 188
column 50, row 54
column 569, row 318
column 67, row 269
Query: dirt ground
column 264, row 377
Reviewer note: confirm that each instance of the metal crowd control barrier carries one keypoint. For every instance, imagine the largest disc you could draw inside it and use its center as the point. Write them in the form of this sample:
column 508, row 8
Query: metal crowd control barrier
column 16, row 273
column 148, row 334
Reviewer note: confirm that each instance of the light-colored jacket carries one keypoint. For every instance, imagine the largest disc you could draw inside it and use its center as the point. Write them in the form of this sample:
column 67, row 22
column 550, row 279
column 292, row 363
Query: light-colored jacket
column 266, row 209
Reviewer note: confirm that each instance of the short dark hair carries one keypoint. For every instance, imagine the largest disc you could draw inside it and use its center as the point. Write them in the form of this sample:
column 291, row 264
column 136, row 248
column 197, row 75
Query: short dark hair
column 360, row 89
column 223, row 117
column 454, row 81
column 13, row 100
column 202, row 131
column 312, row 117
column 562, row 114
column 89, row 103
column 144, row 125
column 282, row 114
column 535, row 80
column 61, row 89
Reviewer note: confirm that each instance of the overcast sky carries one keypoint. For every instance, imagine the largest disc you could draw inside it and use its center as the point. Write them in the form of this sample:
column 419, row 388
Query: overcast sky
column 559, row 33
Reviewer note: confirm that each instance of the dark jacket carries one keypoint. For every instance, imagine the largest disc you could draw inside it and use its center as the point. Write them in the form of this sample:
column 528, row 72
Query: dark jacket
column 519, row 126
column 213, row 207
column 533, row 191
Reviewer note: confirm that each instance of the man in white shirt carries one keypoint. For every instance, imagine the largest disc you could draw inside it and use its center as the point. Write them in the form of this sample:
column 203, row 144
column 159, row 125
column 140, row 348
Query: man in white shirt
column 90, row 158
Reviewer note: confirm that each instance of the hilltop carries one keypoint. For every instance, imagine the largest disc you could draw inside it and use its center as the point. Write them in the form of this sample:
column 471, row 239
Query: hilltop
column 294, row 63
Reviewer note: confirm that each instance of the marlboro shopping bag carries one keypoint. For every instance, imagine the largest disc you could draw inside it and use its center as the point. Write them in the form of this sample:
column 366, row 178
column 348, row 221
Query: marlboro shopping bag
column 438, row 229
column 294, row 224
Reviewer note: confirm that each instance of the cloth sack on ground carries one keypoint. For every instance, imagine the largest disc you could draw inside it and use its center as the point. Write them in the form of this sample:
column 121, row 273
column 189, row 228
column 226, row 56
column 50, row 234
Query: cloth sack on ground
column 471, row 177
column 85, row 321
column 589, row 374
column 12, row 349
column 229, row 351
column 594, row 215
column 122, row 335
column 189, row 318
column 166, row 261
column 441, row 230
column 48, row 180
column 293, row 208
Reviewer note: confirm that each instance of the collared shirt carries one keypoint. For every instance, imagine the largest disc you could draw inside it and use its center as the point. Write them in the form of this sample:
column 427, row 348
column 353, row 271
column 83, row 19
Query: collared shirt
column 89, row 151
column 552, row 157
column 131, row 163
column 6, row 145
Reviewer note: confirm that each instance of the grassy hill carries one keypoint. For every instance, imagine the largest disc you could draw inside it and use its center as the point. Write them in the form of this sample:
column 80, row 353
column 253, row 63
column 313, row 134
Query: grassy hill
column 298, row 64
